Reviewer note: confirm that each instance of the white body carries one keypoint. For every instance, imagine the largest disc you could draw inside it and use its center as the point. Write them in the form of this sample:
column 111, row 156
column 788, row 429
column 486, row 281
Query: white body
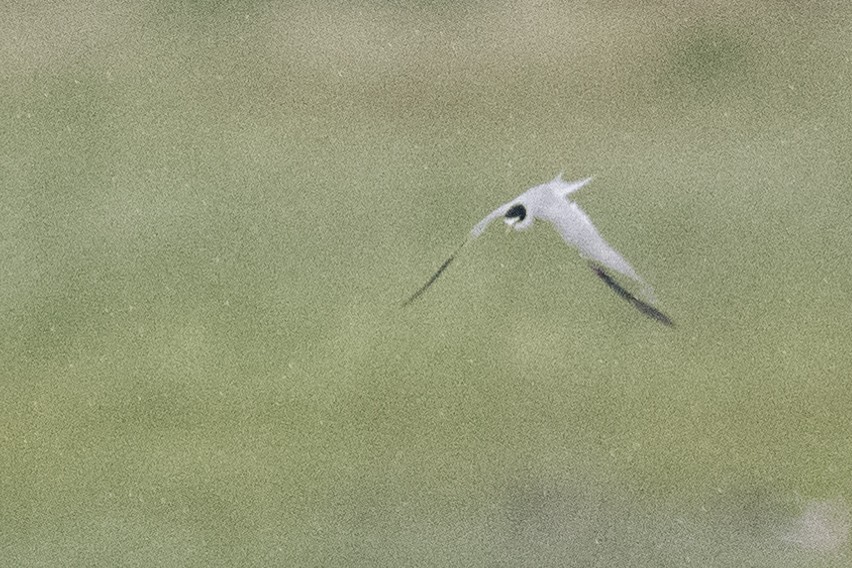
column 549, row 202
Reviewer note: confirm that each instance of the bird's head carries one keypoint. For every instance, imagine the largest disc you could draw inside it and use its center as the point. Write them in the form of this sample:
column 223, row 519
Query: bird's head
column 517, row 217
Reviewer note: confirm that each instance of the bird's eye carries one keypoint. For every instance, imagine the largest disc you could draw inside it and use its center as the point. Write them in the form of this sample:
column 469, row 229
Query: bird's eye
column 518, row 212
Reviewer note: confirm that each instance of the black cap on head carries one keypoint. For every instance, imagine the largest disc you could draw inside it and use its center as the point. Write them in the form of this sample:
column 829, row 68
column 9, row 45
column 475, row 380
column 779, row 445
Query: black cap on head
column 518, row 212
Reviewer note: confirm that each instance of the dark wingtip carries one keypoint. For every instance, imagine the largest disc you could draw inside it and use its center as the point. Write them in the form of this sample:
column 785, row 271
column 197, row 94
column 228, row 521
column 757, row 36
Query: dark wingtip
column 645, row 308
column 431, row 281
column 652, row 312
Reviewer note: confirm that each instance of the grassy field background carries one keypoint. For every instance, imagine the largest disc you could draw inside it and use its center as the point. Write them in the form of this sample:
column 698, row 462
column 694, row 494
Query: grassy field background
column 210, row 215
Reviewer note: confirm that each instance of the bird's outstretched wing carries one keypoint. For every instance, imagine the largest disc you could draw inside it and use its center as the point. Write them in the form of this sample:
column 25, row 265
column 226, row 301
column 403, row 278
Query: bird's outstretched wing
column 577, row 230
column 479, row 228
column 431, row 281
column 643, row 307
column 475, row 232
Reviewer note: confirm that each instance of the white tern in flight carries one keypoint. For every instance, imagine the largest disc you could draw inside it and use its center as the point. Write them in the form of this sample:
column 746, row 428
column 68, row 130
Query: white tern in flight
column 549, row 202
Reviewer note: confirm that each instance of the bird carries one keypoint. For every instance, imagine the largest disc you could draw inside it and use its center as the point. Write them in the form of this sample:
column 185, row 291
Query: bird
column 549, row 202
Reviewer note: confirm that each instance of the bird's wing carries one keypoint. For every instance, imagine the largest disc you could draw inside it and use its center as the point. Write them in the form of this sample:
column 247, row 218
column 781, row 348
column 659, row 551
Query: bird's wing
column 480, row 227
column 431, row 280
column 643, row 307
column 577, row 230
column 475, row 232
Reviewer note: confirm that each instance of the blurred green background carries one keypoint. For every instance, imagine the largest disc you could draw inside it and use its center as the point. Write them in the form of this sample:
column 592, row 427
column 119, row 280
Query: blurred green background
column 210, row 213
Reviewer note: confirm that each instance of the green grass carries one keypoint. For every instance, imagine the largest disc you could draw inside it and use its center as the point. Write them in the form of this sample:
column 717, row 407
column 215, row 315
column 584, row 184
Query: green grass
column 209, row 221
